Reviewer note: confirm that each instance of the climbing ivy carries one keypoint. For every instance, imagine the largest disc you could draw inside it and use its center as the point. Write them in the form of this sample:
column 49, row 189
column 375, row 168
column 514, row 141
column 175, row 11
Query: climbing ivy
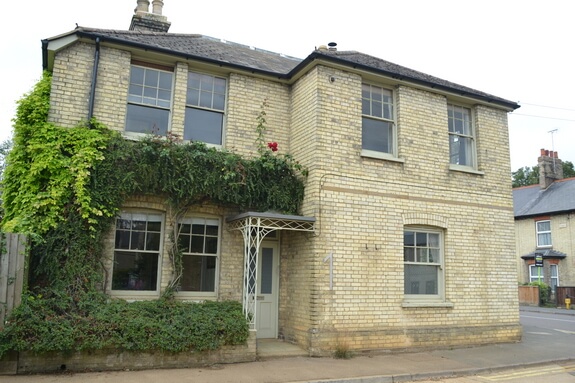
column 64, row 186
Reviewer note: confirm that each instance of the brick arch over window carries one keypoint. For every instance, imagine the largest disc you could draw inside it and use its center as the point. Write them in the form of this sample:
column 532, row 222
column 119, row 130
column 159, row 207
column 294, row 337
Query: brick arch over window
column 426, row 219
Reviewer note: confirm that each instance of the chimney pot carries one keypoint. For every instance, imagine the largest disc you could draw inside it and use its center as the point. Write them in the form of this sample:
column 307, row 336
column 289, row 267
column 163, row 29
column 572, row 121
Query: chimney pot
column 143, row 6
column 157, row 6
column 542, row 152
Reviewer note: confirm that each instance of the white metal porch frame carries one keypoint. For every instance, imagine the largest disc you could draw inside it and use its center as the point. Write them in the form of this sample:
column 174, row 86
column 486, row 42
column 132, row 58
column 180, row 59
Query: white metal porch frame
column 254, row 227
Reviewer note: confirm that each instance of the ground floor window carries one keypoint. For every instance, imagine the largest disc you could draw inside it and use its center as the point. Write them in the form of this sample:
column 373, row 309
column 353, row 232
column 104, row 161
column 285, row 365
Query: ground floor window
column 198, row 239
column 423, row 258
column 537, row 274
column 138, row 240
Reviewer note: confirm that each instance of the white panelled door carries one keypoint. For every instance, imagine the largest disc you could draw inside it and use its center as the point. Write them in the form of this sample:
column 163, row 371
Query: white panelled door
column 267, row 292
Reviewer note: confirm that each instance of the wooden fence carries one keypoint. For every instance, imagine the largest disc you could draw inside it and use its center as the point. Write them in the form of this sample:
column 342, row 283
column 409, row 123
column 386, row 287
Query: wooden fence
column 563, row 292
column 12, row 265
column 529, row 295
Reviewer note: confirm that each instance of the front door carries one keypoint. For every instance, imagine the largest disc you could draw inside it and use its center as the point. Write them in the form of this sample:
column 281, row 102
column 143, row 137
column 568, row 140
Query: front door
column 267, row 291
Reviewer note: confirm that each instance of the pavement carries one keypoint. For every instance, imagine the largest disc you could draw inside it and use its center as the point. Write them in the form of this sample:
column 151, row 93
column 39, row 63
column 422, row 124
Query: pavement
column 390, row 367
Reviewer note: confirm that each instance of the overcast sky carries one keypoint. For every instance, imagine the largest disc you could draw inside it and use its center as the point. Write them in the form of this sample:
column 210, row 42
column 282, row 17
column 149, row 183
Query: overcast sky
column 521, row 50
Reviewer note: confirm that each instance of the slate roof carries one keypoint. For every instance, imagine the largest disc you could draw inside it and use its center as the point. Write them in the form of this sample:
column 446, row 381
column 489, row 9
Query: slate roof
column 559, row 197
column 196, row 46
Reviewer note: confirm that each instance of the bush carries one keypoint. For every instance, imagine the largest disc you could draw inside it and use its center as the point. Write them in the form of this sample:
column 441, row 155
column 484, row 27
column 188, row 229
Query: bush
column 56, row 324
column 544, row 292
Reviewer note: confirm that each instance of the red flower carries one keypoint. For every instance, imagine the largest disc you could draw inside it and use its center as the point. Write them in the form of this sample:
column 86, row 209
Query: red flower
column 273, row 146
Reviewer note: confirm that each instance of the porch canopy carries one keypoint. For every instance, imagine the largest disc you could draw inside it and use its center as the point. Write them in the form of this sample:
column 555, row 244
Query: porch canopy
column 254, row 227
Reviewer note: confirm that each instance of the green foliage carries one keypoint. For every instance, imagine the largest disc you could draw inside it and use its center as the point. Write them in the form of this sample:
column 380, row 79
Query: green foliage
column 44, row 324
column 64, row 186
column 526, row 175
column 544, row 292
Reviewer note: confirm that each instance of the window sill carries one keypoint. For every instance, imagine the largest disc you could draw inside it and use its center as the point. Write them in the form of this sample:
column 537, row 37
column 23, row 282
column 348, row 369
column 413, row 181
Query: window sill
column 130, row 295
column 410, row 304
column 381, row 156
column 465, row 169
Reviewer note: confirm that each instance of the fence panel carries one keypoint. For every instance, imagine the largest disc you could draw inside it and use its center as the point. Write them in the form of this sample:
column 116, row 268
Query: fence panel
column 564, row 292
column 529, row 295
column 12, row 265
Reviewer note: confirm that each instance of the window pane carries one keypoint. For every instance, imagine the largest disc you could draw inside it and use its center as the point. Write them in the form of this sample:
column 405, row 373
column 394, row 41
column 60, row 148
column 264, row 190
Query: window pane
column 138, row 240
column 203, row 125
column 409, row 254
column 409, row 238
column 199, row 273
column 377, row 135
column 153, row 241
column 148, row 120
column 184, row 243
column 544, row 226
column 212, row 229
column 122, row 239
column 219, row 101
column 421, row 239
column 137, row 75
column 151, row 78
column 185, row 228
column 267, row 271
column 434, row 256
column 421, row 279
column 135, row 271
column 198, row 228
column 211, row 245
column 421, row 255
column 433, row 239
column 197, row 244
column 544, row 239
column 165, row 81
column 205, row 99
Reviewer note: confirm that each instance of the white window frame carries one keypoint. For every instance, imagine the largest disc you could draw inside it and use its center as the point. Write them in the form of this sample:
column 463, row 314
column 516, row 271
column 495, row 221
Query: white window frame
column 131, row 214
column 196, row 105
column 203, row 294
column 437, row 299
column 553, row 276
column 152, row 102
column 371, row 115
column 534, row 273
column 539, row 233
column 456, row 165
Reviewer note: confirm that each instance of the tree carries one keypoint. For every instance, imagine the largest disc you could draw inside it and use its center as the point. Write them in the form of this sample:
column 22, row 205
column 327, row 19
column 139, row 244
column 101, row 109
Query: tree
column 526, row 175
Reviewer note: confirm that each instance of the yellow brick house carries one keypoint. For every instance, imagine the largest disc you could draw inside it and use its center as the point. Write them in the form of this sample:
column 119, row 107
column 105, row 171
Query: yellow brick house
column 543, row 216
column 407, row 213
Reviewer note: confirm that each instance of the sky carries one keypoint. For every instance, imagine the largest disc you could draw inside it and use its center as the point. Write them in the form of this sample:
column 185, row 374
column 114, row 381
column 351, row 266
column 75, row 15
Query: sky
column 520, row 50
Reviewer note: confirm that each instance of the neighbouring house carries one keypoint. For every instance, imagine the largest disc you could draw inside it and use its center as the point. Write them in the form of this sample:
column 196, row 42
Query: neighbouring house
column 407, row 211
column 545, row 235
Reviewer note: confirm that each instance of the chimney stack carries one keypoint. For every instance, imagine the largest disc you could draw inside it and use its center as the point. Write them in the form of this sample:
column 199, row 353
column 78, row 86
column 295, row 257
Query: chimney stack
column 143, row 20
column 550, row 168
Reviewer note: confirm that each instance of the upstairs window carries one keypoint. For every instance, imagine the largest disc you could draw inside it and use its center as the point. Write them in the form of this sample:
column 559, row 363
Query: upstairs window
column 149, row 100
column 378, row 126
column 543, row 229
column 461, row 136
column 205, row 105
column 198, row 239
column 423, row 259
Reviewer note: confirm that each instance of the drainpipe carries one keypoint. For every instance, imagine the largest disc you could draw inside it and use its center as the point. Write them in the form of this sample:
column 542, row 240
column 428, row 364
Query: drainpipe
column 93, row 84
column 44, row 54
